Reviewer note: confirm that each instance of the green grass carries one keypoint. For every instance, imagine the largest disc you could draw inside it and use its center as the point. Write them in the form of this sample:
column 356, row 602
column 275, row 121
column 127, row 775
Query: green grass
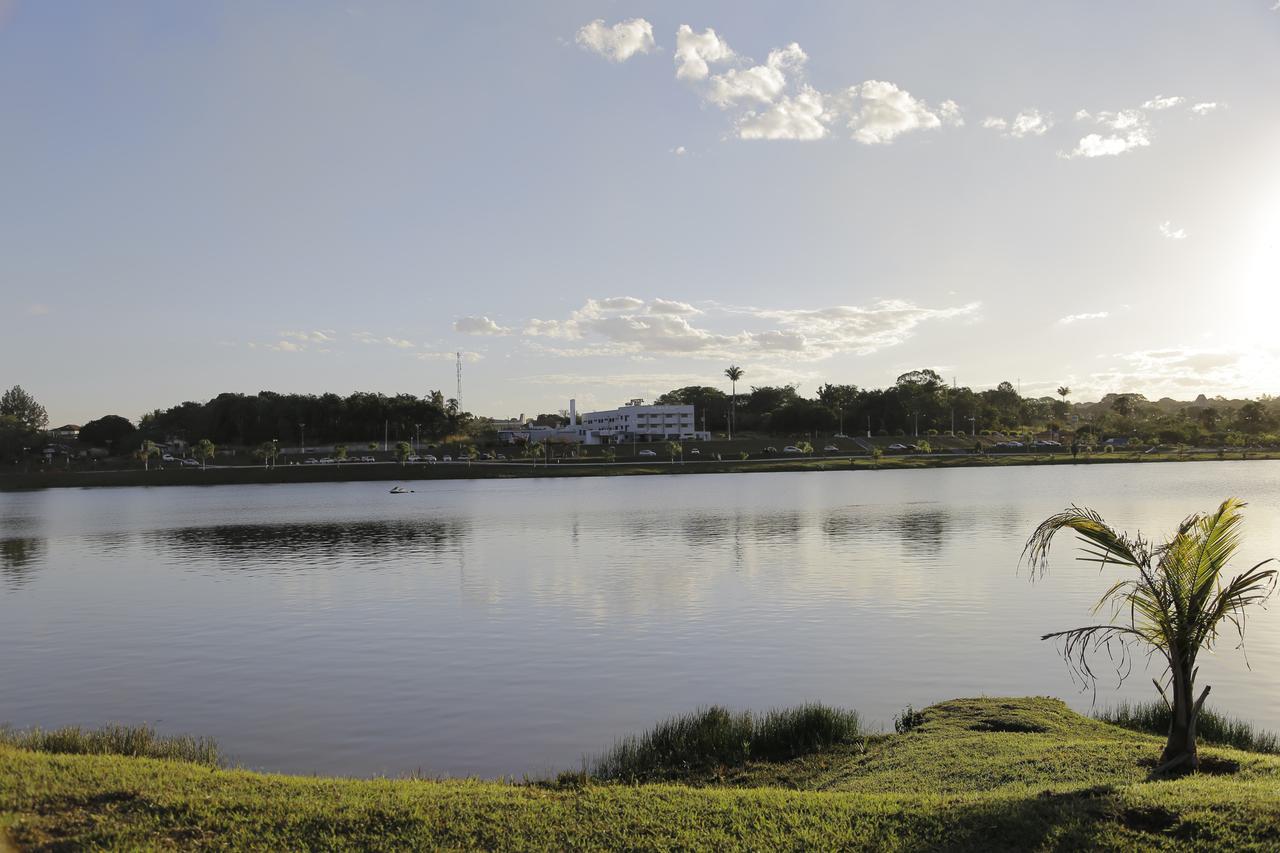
column 713, row 739
column 131, row 741
column 1212, row 727
column 974, row 774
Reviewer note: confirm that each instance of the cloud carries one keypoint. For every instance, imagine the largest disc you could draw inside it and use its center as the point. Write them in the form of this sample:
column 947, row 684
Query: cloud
column 1167, row 229
column 951, row 113
column 1097, row 145
column 368, row 338
column 285, row 346
column 618, row 327
column 38, row 309
column 1161, row 102
column 760, row 83
column 885, row 112
column 1183, row 372
column 479, row 326
column 314, row 337
column 1076, row 318
column 802, row 117
column 679, row 151
column 619, row 42
column 1026, row 123
column 1132, row 129
column 695, row 52
column 1204, row 108
column 447, row 356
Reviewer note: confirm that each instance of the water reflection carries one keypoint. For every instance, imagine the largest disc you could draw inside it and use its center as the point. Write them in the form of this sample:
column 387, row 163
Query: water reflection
column 245, row 545
column 921, row 529
column 19, row 559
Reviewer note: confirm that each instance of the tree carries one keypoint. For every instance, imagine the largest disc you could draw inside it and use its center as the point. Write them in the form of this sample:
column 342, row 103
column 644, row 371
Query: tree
column 267, row 452
column 145, row 452
column 1176, row 606
column 674, row 448
column 1123, row 405
column 403, row 451
column 1064, row 392
column 204, row 451
column 734, row 373
column 925, row 447
column 340, row 452
column 110, row 431
column 805, row 447
column 23, row 408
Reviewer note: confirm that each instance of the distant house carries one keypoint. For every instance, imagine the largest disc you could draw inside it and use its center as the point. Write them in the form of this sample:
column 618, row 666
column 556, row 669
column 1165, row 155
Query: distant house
column 66, row 432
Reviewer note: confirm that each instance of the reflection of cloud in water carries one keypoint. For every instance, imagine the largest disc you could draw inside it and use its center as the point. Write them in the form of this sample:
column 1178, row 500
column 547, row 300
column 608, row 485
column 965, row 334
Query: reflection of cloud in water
column 19, row 559
column 249, row 546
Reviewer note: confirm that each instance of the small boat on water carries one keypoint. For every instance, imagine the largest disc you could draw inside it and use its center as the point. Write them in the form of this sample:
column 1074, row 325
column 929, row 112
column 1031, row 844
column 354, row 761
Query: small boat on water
column 401, row 490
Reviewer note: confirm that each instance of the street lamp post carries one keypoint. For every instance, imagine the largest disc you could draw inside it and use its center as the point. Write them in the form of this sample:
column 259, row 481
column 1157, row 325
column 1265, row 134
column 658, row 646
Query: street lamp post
column 417, row 436
column 303, row 428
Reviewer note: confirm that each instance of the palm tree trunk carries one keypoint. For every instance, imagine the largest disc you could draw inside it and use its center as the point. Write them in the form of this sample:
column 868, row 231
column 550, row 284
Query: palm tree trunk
column 1180, row 749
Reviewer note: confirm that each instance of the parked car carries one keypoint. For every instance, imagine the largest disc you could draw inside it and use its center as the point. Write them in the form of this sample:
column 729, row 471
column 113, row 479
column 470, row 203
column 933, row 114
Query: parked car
column 311, row 461
column 190, row 463
column 1045, row 442
column 431, row 459
column 791, row 448
column 695, row 452
column 648, row 453
column 168, row 457
column 446, row 458
column 413, row 457
column 898, row 448
column 771, row 449
column 326, row 460
column 830, row 448
column 367, row 459
column 502, row 457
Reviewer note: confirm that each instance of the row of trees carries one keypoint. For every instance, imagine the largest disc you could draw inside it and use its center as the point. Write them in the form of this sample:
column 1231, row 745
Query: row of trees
column 921, row 402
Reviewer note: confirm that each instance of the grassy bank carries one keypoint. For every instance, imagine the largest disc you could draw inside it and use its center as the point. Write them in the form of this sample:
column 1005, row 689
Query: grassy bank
column 499, row 470
column 979, row 774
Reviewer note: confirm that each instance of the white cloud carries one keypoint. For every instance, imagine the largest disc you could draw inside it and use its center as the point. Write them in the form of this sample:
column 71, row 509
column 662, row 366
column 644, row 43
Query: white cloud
column 1026, row 123
column 1184, row 372
column 760, row 83
column 951, row 113
column 37, row 309
column 479, row 326
column 652, row 329
column 1204, row 108
column 1076, row 318
column 314, row 337
column 1167, row 229
column 886, row 112
column 802, row 117
column 448, row 356
column 286, row 346
column 619, row 42
column 369, row 338
column 1161, row 102
column 1083, row 115
column 679, row 151
column 1097, row 145
column 695, row 52
column 1122, row 119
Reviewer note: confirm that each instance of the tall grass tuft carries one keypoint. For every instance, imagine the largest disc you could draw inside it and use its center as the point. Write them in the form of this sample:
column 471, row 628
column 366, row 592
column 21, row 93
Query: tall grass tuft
column 712, row 738
column 133, row 741
column 1211, row 727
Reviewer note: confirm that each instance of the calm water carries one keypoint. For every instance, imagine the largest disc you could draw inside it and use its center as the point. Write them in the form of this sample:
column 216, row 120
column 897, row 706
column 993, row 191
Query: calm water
column 509, row 627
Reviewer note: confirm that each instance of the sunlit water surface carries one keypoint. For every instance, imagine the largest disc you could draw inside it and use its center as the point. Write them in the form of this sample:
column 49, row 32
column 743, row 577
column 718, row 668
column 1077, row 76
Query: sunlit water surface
column 510, row 627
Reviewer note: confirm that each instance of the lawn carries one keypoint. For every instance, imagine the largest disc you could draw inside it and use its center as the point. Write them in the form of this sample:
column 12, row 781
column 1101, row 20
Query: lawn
column 974, row 774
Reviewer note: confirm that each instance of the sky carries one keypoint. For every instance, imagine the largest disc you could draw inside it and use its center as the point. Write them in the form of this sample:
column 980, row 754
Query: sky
column 608, row 200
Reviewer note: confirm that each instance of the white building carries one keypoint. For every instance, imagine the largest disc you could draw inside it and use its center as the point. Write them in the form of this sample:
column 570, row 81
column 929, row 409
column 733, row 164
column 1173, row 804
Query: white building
column 632, row 422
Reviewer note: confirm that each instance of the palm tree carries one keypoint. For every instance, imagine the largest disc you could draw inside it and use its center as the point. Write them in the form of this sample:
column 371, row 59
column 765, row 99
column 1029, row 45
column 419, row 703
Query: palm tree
column 403, row 451
column 1176, row 606
column 734, row 373
column 675, row 448
column 1064, row 392
column 204, row 451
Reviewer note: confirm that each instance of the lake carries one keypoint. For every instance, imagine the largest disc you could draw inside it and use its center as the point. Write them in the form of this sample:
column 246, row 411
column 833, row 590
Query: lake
column 509, row 627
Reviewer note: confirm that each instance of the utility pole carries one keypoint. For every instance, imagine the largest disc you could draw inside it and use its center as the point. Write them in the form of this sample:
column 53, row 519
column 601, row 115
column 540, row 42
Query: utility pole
column 386, row 430
column 458, row 395
column 303, row 427
column 417, row 436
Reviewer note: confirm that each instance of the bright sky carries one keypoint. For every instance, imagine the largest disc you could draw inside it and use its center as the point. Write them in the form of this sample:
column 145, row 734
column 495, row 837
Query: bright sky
column 609, row 200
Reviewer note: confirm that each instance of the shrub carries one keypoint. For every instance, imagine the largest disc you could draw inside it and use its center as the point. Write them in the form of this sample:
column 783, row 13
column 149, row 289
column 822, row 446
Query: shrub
column 909, row 719
column 132, row 741
column 712, row 738
column 1211, row 727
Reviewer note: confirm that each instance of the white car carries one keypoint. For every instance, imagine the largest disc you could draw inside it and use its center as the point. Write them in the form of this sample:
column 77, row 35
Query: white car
column 168, row 457
column 430, row 458
column 367, row 459
column 190, row 462
column 446, row 458
column 898, row 447
column 312, row 462
column 830, row 448
column 326, row 460
column 791, row 448
column 413, row 457
column 648, row 453
column 695, row 452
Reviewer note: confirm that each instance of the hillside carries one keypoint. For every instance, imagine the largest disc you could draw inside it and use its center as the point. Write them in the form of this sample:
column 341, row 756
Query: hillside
column 980, row 774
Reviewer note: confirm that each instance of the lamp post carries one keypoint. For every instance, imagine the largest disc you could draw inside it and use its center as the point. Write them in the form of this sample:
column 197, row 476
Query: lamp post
column 417, row 436
column 303, row 428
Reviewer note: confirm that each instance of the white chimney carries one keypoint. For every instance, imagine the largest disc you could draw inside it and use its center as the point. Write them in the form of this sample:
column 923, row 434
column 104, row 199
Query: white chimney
column 573, row 413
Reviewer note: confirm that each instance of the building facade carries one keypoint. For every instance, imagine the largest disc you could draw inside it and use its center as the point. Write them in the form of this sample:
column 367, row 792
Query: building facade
column 634, row 422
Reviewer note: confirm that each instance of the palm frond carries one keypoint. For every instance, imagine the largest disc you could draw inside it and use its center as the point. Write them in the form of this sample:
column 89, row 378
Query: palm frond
column 1109, row 547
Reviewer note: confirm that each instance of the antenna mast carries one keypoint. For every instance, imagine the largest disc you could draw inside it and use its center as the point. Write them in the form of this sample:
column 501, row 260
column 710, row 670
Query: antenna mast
column 458, row 395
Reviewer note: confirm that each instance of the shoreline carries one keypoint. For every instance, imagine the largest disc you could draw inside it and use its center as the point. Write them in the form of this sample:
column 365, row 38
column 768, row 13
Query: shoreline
column 420, row 472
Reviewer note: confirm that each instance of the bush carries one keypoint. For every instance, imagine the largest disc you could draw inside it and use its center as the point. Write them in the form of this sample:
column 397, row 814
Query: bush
column 714, row 738
column 1211, row 727
column 909, row 719
column 131, row 741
